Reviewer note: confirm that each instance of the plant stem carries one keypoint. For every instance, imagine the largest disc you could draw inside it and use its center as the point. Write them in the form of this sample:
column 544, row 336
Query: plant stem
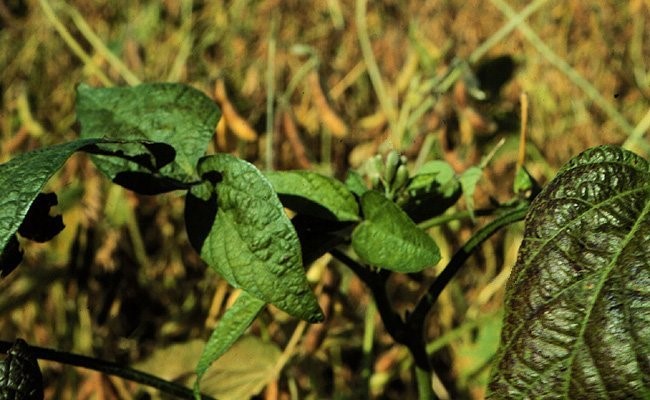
column 72, row 43
column 270, row 94
column 368, row 341
column 443, row 219
column 426, row 302
column 410, row 335
column 385, row 101
column 566, row 69
column 109, row 368
column 423, row 378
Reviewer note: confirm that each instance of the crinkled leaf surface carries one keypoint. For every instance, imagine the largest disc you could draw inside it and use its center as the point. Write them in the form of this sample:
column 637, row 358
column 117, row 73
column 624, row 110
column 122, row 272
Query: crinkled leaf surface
column 250, row 241
column 314, row 194
column 577, row 321
column 20, row 375
column 171, row 113
column 389, row 239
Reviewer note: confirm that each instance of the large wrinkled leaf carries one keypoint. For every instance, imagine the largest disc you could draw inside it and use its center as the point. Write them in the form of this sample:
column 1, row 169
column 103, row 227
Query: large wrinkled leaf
column 389, row 239
column 314, row 194
column 248, row 238
column 171, row 113
column 577, row 322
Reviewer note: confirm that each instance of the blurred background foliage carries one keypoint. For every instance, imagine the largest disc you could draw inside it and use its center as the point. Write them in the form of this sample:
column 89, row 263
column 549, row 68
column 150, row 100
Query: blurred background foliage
column 321, row 85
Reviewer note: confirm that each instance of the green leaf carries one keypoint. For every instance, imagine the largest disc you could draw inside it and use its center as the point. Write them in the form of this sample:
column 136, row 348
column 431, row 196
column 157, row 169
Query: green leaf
column 314, row 194
column 389, row 239
column 430, row 192
column 248, row 239
column 468, row 181
column 171, row 113
column 355, row 184
column 231, row 327
column 20, row 375
column 577, row 321
column 23, row 177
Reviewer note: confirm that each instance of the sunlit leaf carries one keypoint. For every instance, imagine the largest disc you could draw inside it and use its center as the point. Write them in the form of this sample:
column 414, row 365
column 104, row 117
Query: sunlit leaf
column 23, row 177
column 389, row 239
column 314, row 194
column 170, row 113
column 247, row 237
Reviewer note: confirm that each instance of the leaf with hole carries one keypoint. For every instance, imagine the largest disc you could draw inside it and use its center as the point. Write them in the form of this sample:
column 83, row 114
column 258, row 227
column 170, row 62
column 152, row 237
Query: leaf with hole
column 170, row 113
column 23, row 177
column 577, row 321
column 389, row 239
column 247, row 237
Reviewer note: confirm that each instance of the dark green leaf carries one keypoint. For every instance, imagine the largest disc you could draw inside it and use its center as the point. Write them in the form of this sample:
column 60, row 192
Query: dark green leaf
column 389, row 239
column 314, row 194
column 231, row 327
column 430, row 192
column 22, row 179
column 170, row 113
column 318, row 236
column 10, row 257
column 20, row 375
column 251, row 241
column 577, row 321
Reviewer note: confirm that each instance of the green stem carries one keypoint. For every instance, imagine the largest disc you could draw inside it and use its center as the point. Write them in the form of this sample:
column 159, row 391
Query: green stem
column 368, row 341
column 109, row 368
column 270, row 94
column 385, row 101
column 443, row 219
column 426, row 302
column 423, row 378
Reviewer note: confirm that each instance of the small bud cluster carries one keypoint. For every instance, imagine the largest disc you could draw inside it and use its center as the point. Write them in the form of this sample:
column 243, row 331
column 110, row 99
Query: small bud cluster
column 389, row 175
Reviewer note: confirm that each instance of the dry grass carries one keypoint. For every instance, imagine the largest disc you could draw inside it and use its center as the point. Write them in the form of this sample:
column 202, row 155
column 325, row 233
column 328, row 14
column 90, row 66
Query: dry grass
column 121, row 280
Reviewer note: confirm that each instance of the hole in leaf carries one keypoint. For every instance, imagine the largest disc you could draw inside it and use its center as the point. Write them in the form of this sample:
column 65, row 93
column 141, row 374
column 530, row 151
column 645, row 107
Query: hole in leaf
column 38, row 224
